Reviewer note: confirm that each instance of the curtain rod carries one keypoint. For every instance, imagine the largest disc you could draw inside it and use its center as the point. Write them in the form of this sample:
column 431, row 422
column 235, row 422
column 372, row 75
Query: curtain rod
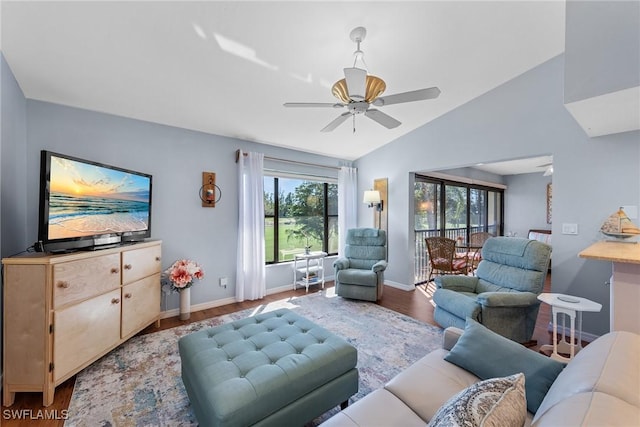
column 289, row 161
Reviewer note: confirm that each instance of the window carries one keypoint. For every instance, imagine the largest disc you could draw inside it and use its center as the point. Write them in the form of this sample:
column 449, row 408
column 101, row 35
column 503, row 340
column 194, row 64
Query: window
column 454, row 210
column 304, row 213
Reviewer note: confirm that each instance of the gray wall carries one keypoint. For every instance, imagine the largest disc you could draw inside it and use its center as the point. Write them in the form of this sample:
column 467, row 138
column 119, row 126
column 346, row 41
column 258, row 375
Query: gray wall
column 12, row 164
column 176, row 158
column 602, row 42
column 525, row 203
column 524, row 117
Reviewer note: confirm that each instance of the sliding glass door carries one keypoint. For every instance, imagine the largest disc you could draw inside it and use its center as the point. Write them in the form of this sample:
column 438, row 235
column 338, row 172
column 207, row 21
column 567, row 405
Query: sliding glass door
column 454, row 210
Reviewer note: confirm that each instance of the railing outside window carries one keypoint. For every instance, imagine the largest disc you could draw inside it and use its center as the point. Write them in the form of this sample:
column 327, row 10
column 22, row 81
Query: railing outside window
column 454, row 210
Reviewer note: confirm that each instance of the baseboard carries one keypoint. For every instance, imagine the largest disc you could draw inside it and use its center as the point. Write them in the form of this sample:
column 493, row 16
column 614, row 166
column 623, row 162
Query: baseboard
column 586, row 336
column 229, row 300
column 399, row 285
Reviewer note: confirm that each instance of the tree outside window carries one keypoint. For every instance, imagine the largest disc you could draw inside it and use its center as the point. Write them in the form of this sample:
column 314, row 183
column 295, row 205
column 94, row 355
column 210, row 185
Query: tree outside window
column 303, row 215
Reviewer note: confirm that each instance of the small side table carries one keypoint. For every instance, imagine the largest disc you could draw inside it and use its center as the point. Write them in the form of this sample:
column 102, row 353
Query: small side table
column 567, row 305
column 311, row 269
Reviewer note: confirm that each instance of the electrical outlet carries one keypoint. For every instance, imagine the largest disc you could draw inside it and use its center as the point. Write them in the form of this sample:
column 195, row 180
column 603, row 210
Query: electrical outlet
column 223, row 282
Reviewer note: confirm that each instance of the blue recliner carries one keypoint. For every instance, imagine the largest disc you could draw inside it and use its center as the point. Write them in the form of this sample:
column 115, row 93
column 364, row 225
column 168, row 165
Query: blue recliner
column 503, row 295
column 360, row 273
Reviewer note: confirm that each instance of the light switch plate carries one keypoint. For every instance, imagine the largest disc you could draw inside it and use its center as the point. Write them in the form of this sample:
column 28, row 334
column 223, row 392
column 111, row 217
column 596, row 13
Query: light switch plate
column 569, row 228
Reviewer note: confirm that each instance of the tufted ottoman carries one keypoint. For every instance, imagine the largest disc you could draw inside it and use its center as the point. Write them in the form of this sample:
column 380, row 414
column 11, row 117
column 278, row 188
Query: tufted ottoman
column 276, row 368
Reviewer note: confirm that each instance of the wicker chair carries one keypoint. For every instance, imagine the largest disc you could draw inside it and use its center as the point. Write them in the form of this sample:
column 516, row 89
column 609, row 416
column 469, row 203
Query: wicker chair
column 442, row 257
column 476, row 242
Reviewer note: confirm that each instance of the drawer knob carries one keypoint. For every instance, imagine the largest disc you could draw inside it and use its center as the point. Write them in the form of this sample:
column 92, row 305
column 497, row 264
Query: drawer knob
column 115, row 300
column 127, row 266
column 127, row 295
column 115, row 270
column 63, row 285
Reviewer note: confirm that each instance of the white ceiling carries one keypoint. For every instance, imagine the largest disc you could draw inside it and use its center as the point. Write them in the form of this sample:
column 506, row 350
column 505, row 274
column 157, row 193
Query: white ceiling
column 165, row 62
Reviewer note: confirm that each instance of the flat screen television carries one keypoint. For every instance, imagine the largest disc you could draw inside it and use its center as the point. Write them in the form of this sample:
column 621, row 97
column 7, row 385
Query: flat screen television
column 90, row 205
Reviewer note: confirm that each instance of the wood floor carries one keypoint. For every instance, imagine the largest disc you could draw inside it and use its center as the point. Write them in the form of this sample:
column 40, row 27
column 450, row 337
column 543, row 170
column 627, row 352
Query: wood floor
column 27, row 409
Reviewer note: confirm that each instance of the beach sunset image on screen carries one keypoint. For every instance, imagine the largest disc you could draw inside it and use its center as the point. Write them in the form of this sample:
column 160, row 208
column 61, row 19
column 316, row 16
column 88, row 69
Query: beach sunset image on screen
column 87, row 200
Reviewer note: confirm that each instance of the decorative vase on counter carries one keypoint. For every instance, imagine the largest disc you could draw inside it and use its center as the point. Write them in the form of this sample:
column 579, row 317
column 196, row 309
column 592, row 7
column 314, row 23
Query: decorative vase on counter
column 185, row 304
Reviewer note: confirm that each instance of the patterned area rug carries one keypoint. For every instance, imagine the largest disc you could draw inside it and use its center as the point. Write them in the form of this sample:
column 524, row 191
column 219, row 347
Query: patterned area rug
column 139, row 384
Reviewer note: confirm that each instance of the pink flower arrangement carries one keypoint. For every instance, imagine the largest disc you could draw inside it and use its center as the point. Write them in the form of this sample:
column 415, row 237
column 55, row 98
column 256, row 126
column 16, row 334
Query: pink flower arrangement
column 182, row 274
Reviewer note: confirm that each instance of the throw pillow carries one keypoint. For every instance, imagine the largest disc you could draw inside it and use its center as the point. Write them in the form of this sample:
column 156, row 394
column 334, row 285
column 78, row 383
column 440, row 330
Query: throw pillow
column 487, row 354
column 495, row 402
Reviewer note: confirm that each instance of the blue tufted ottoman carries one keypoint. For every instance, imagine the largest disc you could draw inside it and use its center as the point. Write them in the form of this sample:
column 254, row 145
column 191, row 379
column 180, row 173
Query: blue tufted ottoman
column 273, row 369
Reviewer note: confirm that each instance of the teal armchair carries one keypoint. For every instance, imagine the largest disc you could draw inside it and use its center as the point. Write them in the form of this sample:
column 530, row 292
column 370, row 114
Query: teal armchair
column 360, row 273
column 503, row 295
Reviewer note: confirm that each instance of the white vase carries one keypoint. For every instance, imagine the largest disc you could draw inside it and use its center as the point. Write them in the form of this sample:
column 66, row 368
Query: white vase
column 185, row 304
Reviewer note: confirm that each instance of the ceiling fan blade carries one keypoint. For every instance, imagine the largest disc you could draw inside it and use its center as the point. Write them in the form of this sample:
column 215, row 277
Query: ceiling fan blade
column 356, row 82
column 313, row 104
column 415, row 95
column 382, row 118
column 336, row 122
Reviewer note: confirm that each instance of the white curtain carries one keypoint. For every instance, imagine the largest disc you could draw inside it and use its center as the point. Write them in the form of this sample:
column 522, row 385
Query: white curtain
column 250, row 275
column 347, row 203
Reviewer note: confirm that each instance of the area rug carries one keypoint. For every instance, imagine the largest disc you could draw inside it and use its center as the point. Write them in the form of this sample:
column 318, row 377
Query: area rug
column 139, row 384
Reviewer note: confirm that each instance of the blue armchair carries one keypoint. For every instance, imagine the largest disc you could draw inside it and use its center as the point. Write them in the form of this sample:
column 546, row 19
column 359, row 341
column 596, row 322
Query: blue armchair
column 360, row 273
column 503, row 295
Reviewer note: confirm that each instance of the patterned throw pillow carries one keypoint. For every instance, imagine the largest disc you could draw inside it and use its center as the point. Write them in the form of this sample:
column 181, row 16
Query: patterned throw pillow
column 494, row 402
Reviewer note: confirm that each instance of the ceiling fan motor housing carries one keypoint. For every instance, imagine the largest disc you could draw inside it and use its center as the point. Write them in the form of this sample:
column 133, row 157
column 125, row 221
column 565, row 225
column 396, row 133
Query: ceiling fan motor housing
column 358, row 107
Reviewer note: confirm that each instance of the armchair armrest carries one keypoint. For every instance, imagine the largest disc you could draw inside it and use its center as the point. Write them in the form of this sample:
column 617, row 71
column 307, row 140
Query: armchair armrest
column 457, row 283
column 507, row 299
column 341, row 264
column 379, row 266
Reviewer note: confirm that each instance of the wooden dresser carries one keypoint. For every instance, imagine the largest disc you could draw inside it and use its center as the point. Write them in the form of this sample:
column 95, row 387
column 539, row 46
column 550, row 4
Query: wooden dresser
column 63, row 312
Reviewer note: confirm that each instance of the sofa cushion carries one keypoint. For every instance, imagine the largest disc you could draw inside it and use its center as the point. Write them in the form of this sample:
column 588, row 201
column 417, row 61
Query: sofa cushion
column 489, row 355
column 608, row 365
column 494, row 402
column 379, row 408
column 590, row 409
column 429, row 382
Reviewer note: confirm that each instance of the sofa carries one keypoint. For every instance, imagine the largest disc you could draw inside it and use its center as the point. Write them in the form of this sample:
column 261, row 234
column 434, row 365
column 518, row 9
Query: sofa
column 600, row 386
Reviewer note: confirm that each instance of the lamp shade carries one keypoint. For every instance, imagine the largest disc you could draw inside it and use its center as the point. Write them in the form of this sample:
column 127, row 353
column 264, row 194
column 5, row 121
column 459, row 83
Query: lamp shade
column 371, row 197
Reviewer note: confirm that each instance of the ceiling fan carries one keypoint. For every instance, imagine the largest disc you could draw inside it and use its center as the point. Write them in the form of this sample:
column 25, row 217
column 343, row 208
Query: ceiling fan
column 358, row 91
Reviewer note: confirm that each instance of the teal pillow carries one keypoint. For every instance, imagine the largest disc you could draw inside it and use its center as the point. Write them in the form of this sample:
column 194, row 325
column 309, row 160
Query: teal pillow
column 489, row 355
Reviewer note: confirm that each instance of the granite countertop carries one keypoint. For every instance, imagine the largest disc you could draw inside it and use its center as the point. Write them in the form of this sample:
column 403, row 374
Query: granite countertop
column 613, row 251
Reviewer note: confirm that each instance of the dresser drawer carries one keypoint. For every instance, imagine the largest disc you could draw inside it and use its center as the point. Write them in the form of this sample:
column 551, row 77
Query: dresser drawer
column 140, row 263
column 84, row 331
column 75, row 281
column 140, row 304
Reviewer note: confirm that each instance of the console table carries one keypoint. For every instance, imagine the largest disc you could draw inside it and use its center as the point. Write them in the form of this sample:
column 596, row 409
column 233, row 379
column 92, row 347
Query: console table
column 308, row 269
column 625, row 281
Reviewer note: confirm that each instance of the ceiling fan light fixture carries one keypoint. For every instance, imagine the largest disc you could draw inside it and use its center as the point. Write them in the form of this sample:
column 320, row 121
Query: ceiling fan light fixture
column 374, row 87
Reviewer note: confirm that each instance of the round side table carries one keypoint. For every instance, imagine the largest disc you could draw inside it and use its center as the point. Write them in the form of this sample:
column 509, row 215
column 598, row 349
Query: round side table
column 567, row 305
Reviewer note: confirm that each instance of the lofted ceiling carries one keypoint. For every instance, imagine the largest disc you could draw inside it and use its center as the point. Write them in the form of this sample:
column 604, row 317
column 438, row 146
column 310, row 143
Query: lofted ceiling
column 226, row 68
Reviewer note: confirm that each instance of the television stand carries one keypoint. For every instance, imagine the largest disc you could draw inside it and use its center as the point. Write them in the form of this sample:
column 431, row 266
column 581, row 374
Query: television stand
column 63, row 312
